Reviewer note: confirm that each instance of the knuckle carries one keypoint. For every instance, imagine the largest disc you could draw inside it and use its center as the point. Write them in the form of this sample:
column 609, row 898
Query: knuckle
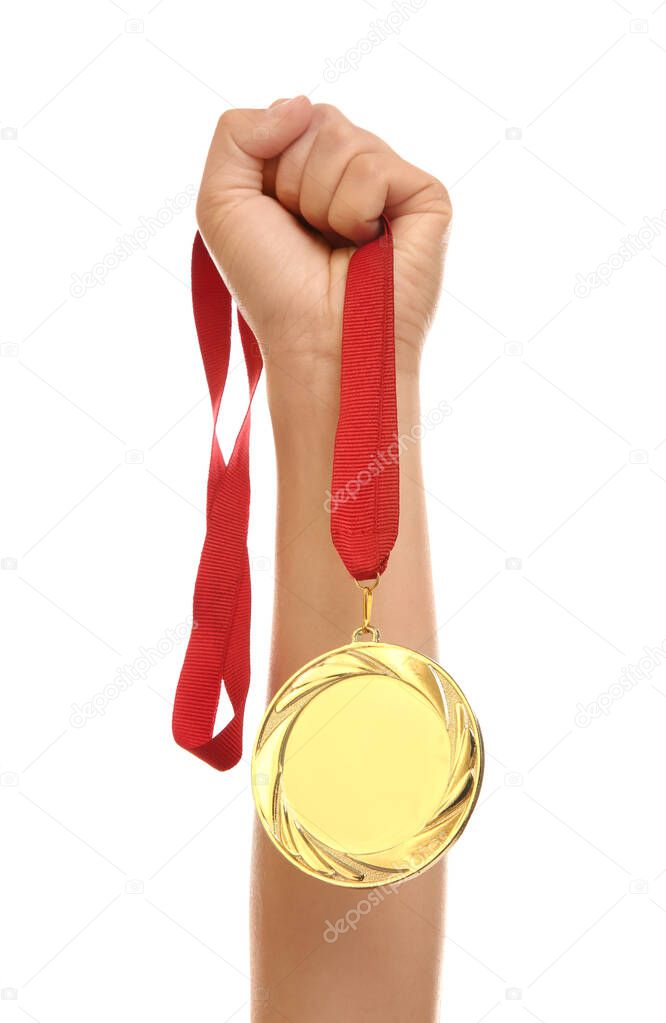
column 440, row 193
column 338, row 134
column 234, row 125
column 332, row 125
column 325, row 112
column 365, row 164
column 437, row 198
column 226, row 120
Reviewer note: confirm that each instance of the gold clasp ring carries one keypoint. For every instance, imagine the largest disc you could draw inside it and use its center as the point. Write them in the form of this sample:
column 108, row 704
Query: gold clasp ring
column 366, row 629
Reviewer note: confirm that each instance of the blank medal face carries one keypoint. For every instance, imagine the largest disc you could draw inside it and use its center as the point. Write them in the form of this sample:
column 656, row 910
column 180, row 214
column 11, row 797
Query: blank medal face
column 367, row 765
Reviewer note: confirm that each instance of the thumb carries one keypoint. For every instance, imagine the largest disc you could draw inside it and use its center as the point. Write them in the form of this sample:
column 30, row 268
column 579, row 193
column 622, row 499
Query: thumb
column 249, row 234
column 243, row 140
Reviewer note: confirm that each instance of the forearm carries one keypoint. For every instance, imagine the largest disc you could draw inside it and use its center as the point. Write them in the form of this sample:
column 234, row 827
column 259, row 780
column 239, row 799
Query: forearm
column 317, row 606
column 387, row 970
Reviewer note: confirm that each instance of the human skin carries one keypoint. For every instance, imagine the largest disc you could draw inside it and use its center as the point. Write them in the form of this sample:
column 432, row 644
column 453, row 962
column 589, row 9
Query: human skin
column 287, row 193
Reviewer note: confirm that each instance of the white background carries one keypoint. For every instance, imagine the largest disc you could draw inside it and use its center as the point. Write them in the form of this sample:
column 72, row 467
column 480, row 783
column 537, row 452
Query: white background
column 124, row 861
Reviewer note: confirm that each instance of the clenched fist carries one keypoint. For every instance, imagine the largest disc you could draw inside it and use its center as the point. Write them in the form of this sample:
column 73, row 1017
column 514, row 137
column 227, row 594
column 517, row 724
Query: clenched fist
column 287, row 193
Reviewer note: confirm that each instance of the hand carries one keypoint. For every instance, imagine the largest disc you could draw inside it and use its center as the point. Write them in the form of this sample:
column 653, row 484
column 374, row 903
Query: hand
column 287, row 193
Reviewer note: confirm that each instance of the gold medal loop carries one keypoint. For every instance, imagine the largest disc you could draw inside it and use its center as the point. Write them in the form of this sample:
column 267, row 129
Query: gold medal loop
column 366, row 629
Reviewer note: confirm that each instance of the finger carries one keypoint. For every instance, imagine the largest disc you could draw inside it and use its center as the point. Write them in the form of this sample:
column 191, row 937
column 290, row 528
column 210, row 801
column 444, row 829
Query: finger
column 375, row 183
column 290, row 165
column 319, row 155
column 337, row 143
column 283, row 175
column 270, row 166
column 243, row 140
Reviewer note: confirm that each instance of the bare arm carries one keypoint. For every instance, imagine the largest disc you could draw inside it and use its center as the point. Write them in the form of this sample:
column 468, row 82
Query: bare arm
column 387, row 967
column 322, row 953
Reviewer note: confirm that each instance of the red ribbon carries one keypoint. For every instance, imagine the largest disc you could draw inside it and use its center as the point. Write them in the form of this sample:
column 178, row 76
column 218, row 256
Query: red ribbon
column 364, row 492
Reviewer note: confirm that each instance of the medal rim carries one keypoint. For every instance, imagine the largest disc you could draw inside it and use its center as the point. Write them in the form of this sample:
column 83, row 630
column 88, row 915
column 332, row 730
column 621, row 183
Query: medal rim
column 464, row 817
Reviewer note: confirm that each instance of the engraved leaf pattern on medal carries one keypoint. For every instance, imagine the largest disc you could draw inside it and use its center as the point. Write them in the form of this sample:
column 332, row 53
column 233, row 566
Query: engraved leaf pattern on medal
column 293, row 834
column 463, row 768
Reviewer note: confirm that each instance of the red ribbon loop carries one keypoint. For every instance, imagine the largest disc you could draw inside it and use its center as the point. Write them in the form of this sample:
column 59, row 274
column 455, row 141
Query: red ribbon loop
column 364, row 495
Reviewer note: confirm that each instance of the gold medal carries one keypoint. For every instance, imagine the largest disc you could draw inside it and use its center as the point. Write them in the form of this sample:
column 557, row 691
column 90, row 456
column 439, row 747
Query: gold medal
column 367, row 764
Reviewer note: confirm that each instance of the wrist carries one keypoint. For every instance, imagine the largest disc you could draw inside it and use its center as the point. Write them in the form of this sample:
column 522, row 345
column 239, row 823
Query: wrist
column 309, row 386
column 304, row 415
